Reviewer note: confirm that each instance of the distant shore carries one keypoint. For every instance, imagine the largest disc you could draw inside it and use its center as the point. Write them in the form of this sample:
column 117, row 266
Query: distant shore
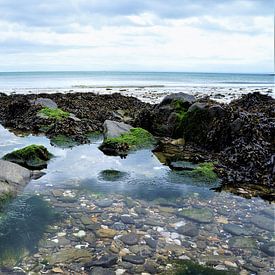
column 155, row 93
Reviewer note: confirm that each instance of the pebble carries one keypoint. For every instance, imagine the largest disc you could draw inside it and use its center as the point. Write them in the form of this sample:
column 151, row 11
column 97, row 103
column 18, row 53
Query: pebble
column 133, row 259
column 130, row 239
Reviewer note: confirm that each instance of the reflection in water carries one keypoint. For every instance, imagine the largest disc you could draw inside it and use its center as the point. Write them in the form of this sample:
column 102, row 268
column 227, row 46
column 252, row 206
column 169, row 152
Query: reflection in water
column 22, row 226
column 140, row 176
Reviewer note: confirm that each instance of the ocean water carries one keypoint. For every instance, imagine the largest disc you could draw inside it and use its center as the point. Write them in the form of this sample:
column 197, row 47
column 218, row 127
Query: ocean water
column 67, row 80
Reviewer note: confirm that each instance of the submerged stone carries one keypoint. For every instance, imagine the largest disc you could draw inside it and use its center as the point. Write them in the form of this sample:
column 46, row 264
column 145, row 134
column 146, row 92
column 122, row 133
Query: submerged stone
column 133, row 259
column 69, row 255
column 242, row 242
column 129, row 239
column 188, row 229
column 34, row 157
column 104, row 203
column 269, row 248
column 104, row 261
column 236, row 229
column 263, row 222
column 187, row 267
column 201, row 215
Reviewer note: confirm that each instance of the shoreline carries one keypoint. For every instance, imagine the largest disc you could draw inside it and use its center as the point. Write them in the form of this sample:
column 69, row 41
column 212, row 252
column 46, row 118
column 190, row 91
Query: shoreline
column 153, row 94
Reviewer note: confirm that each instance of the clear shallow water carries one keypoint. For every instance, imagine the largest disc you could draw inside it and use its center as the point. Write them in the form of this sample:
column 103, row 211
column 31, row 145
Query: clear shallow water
column 30, row 80
column 77, row 170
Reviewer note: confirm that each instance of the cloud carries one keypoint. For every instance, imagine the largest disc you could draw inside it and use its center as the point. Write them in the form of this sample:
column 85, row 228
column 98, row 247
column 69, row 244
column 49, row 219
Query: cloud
column 142, row 35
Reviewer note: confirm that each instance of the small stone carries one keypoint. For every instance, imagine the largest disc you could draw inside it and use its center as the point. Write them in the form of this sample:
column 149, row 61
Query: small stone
column 242, row 242
column 133, row 259
column 130, row 239
column 120, row 271
column 263, row 222
column 189, row 229
column 236, row 230
column 57, row 270
column 119, row 226
column 200, row 215
column 269, row 248
column 106, row 233
column 102, row 271
column 104, row 261
column 127, row 219
column 80, row 234
column 151, row 243
column 230, row 264
column 104, row 203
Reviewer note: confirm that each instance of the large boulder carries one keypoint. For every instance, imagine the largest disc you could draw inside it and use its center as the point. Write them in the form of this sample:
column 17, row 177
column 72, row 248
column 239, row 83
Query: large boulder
column 44, row 102
column 113, row 129
column 13, row 177
column 185, row 99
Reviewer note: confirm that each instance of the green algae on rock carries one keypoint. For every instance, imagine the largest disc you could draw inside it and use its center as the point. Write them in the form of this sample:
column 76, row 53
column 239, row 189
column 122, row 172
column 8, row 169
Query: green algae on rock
column 188, row 267
column 63, row 141
column 34, row 157
column 56, row 114
column 205, row 171
column 136, row 138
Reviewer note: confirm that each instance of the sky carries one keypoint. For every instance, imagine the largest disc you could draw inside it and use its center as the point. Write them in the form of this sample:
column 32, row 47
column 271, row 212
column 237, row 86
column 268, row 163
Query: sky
column 137, row 35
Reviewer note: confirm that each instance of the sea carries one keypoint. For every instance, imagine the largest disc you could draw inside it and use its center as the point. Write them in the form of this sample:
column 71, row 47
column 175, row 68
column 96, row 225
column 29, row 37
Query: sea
column 99, row 79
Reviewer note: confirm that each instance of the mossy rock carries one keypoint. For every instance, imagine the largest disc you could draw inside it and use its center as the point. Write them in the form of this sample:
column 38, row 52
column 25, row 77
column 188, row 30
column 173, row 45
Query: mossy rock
column 56, row 114
column 200, row 215
column 187, row 267
column 136, row 138
column 112, row 175
column 33, row 157
column 205, row 171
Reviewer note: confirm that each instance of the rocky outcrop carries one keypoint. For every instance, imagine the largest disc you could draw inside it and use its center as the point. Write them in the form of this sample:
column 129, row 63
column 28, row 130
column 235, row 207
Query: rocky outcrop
column 87, row 113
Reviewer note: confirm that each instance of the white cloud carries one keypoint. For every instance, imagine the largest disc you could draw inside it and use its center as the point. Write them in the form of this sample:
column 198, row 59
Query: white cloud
column 139, row 39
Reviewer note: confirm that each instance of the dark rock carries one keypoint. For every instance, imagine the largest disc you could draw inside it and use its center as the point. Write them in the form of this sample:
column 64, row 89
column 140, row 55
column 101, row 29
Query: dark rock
column 102, row 271
column 105, row 261
column 269, row 248
column 201, row 215
column 104, row 203
column 263, row 222
column 151, row 243
column 188, row 229
column 186, row 99
column 133, row 259
column 127, row 219
column 236, row 229
column 129, row 239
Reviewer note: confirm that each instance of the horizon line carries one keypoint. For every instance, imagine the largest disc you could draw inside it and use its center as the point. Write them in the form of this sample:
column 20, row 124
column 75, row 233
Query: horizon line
column 133, row 71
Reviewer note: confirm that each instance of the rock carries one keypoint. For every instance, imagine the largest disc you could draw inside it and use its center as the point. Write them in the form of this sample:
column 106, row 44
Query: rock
column 45, row 102
column 127, row 219
column 102, row 271
column 269, row 248
column 263, row 222
column 151, row 243
column 129, row 239
column 113, row 129
column 14, row 174
column 151, row 267
column 236, row 229
column 119, row 226
column 133, row 259
column 34, row 157
column 13, row 178
column 106, row 233
column 104, row 203
column 80, row 234
column 69, row 255
column 188, row 229
column 185, row 99
column 201, row 215
column 104, row 261
column 197, row 106
column 142, row 250
column 57, row 270
column 270, row 212
column 86, row 220
column 153, row 222
column 242, row 242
